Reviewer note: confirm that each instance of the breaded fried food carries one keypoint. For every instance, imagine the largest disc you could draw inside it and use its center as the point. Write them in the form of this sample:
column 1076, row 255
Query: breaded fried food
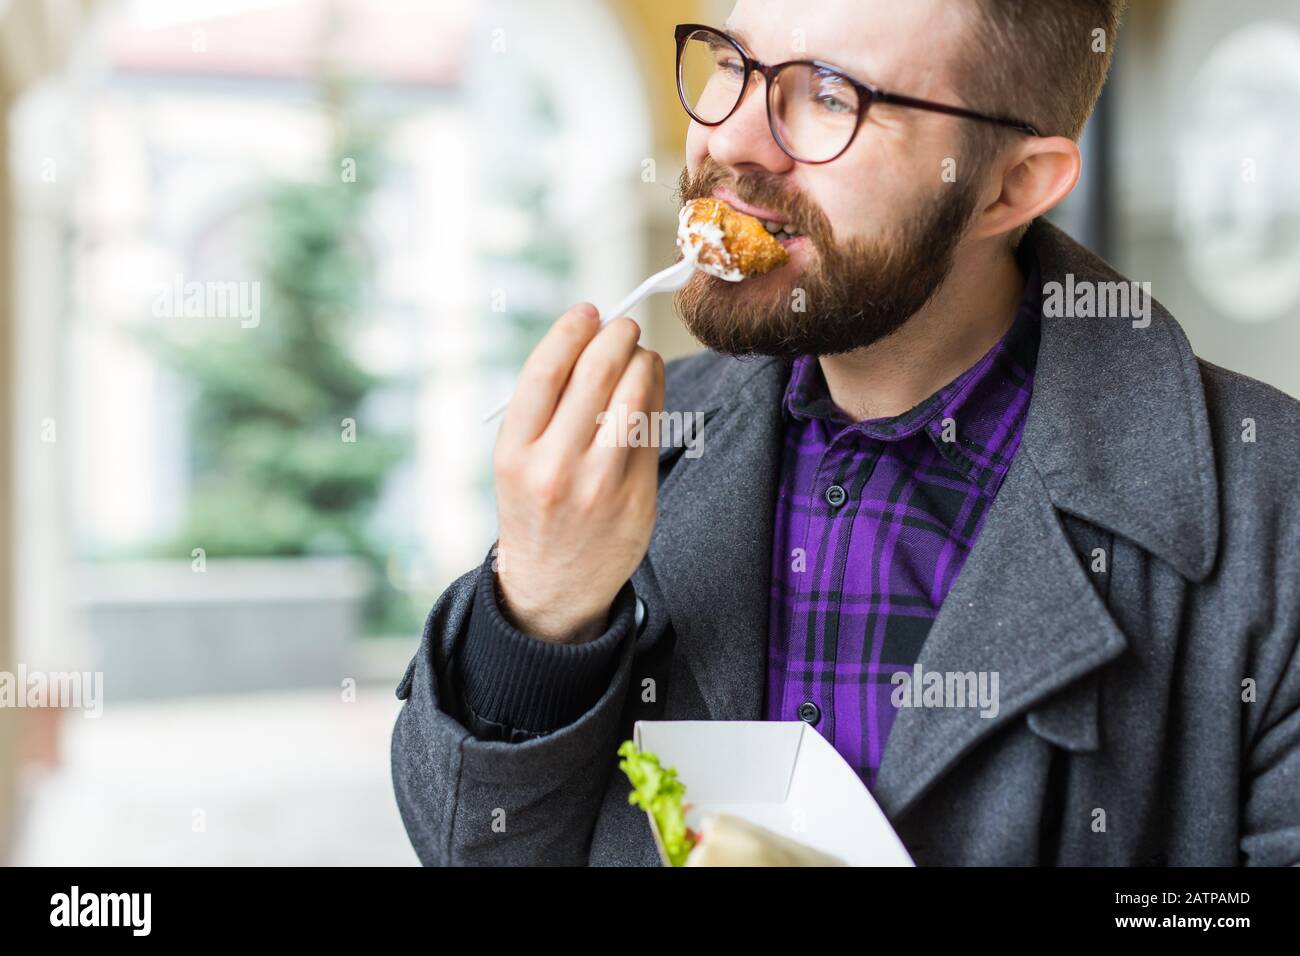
column 731, row 245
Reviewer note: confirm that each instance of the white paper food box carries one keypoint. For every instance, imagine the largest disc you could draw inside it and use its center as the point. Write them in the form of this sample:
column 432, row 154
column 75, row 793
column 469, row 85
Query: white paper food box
column 782, row 775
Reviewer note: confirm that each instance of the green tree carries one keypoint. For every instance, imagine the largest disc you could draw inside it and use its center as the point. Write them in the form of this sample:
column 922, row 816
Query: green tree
column 283, row 458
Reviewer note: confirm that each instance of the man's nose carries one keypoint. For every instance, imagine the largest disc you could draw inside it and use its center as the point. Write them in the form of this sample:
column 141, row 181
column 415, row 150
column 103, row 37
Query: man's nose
column 745, row 139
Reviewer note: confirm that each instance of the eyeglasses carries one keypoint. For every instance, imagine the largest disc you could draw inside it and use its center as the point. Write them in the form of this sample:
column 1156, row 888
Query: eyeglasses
column 813, row 109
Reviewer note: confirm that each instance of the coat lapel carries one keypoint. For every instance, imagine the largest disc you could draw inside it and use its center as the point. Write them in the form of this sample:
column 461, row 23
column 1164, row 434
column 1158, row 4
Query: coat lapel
column 711, row 551
column 1117, row 435
column 1022, row 609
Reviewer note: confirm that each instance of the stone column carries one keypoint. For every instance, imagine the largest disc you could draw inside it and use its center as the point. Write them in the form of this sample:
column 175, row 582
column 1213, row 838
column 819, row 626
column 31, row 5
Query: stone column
column 36, row 38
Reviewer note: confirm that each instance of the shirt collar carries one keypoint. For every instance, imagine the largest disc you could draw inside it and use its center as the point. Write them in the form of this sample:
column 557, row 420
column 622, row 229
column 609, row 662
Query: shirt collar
column 974, row 421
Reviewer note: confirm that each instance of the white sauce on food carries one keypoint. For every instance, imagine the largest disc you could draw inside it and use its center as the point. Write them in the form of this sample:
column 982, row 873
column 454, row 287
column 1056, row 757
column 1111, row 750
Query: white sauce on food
column 695, row 238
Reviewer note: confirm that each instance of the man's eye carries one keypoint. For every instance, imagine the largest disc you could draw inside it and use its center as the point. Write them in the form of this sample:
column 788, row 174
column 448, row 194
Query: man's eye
column 832, row 104
column 729, row 65
column 829, row 94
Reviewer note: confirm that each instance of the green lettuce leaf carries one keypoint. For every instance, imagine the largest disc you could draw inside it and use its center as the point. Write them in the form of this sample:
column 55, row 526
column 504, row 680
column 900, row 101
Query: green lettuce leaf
column 657, row 791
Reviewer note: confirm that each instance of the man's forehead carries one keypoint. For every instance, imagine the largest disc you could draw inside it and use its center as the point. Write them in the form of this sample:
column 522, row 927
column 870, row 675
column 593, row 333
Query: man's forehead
column 881, row 41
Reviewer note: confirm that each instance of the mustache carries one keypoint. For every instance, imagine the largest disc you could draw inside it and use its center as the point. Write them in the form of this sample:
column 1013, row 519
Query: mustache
column 758, row 189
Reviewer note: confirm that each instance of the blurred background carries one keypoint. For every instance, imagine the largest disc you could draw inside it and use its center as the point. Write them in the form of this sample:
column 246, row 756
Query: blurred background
column 263, row 264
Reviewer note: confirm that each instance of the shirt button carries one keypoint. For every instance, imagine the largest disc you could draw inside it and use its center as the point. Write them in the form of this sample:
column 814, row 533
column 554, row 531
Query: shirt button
column 809, row 712
column 836, row 496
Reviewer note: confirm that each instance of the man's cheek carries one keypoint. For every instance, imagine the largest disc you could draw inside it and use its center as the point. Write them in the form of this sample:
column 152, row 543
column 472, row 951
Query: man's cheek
column 852, row 214
column 697, row 147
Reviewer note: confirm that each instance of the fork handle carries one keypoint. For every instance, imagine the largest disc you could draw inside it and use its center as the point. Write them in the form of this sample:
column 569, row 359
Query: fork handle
column 669, row 279
column 666, row 279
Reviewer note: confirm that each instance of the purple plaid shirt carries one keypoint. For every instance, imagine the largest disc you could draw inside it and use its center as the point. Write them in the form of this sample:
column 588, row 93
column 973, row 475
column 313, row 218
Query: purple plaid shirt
column 873, row 522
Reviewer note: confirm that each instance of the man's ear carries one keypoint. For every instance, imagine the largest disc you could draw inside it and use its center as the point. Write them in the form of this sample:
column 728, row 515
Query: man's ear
column 1036, row 175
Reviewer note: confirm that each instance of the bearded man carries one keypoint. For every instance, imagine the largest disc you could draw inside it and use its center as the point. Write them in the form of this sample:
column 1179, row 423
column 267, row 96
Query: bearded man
column 907, row 466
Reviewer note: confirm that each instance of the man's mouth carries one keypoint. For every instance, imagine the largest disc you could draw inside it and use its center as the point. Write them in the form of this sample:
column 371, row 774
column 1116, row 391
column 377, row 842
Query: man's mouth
column 784, row 231
column 783, row 234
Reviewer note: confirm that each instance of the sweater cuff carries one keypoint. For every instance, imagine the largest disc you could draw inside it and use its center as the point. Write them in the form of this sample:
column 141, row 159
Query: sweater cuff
column 529, row 685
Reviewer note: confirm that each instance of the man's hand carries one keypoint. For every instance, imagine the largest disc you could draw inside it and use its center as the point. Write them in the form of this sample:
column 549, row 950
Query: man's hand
column 575, row 512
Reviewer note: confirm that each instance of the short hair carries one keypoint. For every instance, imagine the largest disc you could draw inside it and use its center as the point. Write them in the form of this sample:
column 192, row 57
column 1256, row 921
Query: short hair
column 1043, row 62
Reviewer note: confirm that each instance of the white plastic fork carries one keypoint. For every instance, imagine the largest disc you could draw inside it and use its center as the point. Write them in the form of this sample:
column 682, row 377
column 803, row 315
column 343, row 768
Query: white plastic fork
column 669, row 280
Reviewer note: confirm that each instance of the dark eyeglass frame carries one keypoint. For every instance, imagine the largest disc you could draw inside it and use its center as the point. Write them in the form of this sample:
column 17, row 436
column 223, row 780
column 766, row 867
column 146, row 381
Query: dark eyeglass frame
column 867, row 94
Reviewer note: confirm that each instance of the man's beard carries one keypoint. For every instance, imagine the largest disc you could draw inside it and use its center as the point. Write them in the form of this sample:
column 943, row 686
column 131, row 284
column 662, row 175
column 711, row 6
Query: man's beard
column 858, row 292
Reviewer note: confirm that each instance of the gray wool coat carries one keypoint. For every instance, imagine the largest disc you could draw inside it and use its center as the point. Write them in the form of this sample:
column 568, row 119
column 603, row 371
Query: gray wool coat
column 1136, row 586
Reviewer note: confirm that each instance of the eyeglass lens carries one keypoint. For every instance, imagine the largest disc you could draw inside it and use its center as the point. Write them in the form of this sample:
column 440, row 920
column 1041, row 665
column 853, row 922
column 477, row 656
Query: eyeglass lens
column 814, row 110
